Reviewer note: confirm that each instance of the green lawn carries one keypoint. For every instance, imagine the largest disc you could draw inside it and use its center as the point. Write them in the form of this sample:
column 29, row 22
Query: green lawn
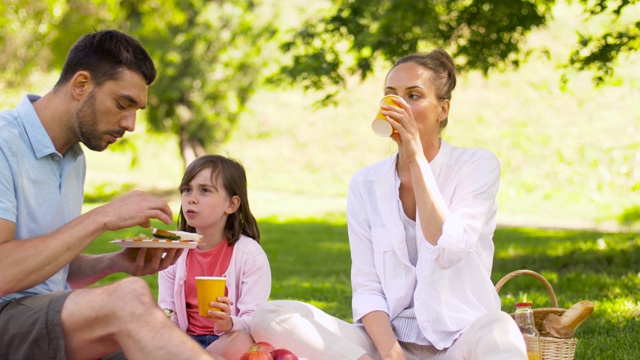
column 310, row 262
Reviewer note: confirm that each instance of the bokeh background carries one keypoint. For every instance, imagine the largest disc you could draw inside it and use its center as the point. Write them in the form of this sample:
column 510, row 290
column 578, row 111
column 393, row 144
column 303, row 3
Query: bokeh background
column 569, row 148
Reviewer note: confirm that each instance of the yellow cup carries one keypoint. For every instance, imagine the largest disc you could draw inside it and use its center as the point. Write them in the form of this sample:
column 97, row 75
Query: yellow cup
column 380, row 125
column 209, row 288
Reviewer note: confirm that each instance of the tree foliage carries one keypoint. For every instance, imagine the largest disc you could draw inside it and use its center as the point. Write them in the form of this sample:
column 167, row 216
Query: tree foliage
column 25, row 29
column 599, row 52
column 209, row 55
column 482, row 35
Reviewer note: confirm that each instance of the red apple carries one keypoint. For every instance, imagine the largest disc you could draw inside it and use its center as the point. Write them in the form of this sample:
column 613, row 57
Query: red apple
column 283, row 354
column 256, row 355
column 261, row 346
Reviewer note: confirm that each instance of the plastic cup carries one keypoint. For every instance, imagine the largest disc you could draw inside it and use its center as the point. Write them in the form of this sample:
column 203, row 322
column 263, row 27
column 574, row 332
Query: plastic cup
column 380, row 125
column 209, row 288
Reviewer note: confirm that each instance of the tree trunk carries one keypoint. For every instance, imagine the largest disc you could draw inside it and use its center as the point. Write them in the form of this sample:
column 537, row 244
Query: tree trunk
column 190, row 149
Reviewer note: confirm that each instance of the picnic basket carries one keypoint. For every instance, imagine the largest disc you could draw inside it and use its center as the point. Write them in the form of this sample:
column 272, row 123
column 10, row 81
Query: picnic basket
column 550, row 348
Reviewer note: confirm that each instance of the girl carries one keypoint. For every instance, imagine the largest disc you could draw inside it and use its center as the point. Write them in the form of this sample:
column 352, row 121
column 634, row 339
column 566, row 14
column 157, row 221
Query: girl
column 420, row 228
column 215, row 205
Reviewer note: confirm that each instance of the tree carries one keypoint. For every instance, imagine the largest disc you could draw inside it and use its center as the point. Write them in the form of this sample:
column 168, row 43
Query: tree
column 480, row 34
column 209, row 55
column 25, row 29
column 599, row 52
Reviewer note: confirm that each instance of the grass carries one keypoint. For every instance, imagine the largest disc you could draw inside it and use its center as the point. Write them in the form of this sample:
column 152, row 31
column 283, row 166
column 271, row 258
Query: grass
column 310, row 261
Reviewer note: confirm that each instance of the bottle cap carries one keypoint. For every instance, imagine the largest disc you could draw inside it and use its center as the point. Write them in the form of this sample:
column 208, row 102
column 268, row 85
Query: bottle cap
column 523, row 304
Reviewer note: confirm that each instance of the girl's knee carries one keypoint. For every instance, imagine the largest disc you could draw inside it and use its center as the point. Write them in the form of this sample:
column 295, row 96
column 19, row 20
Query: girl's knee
column 241, row 338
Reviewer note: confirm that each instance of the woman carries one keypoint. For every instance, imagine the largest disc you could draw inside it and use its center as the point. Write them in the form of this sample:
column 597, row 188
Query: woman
column 420, row 228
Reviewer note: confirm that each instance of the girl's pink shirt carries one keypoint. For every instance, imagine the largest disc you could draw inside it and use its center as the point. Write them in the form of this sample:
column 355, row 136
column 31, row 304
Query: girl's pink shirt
column 211, row 262
column 248, row 282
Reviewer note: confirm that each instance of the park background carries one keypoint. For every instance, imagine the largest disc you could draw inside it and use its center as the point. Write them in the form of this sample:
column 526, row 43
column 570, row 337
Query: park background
column 569, row 199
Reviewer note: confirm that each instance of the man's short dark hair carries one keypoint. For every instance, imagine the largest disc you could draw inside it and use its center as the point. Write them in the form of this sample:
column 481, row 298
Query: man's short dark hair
column 104, row 54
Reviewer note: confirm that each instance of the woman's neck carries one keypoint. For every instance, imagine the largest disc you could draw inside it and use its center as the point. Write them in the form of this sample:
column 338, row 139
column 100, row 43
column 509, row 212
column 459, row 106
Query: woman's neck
column 430, row 152
column 432, row 148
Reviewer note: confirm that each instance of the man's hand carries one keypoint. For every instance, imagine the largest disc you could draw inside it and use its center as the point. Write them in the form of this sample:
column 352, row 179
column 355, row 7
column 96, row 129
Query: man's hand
column 134, row 209
column 145, row 261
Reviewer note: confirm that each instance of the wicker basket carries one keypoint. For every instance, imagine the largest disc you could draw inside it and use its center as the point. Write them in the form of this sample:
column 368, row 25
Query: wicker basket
column 550, row 348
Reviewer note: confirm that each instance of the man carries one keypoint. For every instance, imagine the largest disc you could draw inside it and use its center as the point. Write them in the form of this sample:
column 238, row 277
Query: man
column 42, row 232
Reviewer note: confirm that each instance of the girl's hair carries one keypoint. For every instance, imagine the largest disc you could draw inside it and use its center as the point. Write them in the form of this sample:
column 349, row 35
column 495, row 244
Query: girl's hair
column 441, row 65
column 232, row 176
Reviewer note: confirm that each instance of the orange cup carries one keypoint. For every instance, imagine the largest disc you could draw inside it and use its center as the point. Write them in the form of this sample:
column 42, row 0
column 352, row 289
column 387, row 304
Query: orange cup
column 380, row 125
column 209, row 288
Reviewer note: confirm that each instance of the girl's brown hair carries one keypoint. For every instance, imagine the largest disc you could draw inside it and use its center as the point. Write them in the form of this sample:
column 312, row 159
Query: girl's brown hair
column 234, row 180
column 441, row 65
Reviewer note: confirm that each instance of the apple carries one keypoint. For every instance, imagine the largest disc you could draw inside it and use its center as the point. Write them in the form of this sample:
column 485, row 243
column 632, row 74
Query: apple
column 261, row 346
column 256, row 355
column 283, row 354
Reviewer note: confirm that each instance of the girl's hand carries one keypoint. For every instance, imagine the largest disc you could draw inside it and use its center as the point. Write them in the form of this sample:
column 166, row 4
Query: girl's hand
column 406, row 133
column 222, row 318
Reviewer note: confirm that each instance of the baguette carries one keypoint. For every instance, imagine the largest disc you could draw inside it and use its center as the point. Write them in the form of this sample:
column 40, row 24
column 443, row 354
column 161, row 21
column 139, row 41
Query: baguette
column 553, row 325
column 576, row 314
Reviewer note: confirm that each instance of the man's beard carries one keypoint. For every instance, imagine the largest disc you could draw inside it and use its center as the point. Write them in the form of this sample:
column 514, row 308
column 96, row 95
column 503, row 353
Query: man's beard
column 87, row 120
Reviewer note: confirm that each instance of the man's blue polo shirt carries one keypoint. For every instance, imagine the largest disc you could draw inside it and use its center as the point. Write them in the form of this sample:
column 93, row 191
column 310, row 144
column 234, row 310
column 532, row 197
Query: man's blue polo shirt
column 40, row 189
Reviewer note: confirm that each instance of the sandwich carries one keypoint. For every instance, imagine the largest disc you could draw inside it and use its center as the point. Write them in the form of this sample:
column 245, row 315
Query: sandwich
column 175, row 235
column 162, row 239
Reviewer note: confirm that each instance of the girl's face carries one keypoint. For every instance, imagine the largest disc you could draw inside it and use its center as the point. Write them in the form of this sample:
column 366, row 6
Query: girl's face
column 414, row 84
column 205, row 203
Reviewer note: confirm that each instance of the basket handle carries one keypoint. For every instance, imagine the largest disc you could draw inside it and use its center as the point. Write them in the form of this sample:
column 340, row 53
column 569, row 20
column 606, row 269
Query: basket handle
column 511, row 275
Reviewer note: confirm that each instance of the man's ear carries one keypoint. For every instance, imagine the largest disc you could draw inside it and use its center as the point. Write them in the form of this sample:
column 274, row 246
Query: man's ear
column 234, row 204
column 80, row 84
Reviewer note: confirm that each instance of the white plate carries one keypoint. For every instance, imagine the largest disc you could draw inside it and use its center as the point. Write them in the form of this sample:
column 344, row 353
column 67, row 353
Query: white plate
column 156, row 243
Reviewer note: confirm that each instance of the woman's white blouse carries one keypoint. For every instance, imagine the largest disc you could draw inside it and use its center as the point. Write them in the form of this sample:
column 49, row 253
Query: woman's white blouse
column 452, row 279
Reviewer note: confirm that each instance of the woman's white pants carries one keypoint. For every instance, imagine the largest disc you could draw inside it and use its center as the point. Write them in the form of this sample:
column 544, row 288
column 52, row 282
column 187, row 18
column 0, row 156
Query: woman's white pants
column 315, row 335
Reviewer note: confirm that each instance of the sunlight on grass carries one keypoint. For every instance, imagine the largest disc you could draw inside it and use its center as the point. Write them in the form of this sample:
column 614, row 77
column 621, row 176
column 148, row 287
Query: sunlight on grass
column 335, row 246
column 622, row 308
column 579, row 265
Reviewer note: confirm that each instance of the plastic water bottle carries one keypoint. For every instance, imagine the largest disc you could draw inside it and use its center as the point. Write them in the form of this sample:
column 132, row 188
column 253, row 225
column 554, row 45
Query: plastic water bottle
column 524, row 319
